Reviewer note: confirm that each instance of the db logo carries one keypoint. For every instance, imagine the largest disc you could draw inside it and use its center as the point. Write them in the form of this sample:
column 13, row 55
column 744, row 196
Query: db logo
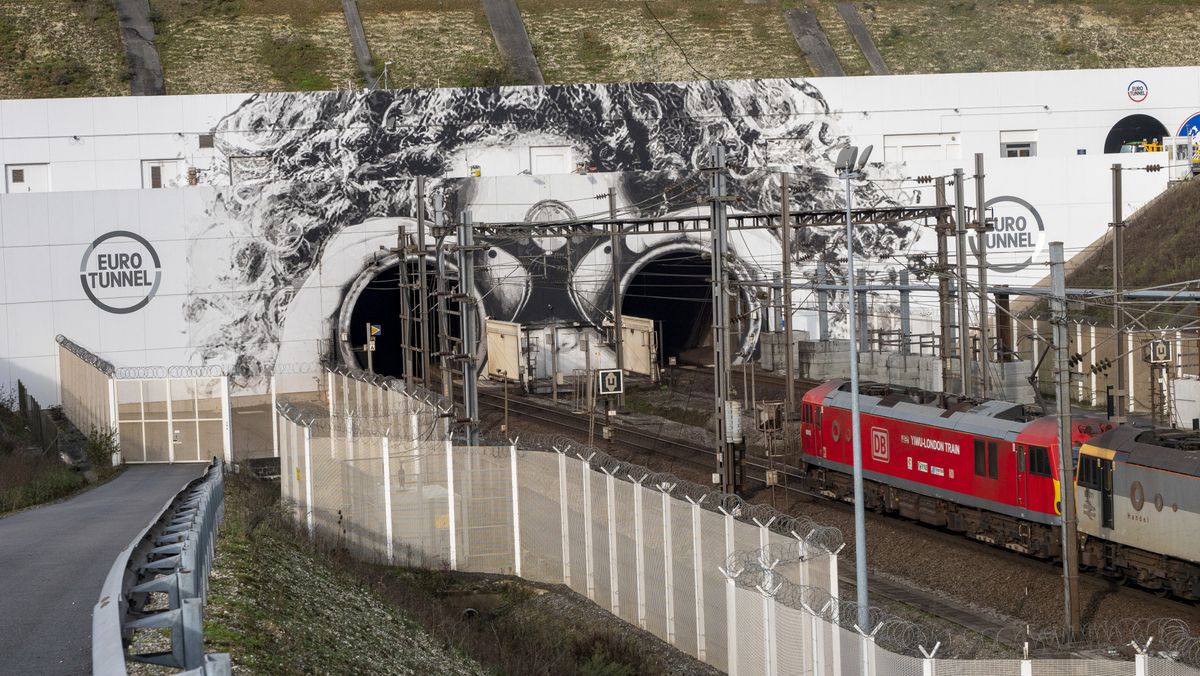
column 1137, row 91
column 879, row 444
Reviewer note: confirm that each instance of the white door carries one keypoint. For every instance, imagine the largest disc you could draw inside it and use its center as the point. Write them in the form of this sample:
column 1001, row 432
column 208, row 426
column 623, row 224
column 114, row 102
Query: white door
column 550, row 160
column 28, row 177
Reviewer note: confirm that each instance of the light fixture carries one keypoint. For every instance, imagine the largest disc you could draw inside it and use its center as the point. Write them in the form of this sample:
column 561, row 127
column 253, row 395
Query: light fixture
column 850, row 166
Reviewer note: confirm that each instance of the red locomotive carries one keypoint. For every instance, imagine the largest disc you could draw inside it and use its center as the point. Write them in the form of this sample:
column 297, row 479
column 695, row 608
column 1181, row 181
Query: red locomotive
column 988, row 469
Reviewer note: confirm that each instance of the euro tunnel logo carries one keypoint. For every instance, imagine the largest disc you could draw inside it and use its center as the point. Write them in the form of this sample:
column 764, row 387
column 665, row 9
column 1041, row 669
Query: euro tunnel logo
column 120, row 272
column 1017, row 234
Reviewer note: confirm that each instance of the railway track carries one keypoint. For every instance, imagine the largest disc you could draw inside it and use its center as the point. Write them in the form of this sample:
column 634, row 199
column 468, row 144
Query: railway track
column 701, row 458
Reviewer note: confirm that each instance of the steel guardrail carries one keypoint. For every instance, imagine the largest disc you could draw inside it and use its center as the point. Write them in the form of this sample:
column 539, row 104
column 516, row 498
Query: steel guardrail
column 172, row 555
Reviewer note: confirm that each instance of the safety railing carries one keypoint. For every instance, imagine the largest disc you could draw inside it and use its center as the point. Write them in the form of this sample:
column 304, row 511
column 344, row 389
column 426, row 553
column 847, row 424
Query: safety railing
column 172, row 556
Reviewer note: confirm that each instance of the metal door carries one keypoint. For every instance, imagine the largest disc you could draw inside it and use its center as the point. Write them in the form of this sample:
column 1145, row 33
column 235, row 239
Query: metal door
column 1106, row 494
column 1022, row 475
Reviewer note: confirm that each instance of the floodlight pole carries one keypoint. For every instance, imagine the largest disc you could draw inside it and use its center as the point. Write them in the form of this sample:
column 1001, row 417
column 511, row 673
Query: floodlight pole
column 860, row 514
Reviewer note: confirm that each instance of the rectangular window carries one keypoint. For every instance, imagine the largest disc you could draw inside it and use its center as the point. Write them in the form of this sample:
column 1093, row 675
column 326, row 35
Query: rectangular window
column 1018, row 143
column 156, row 176
column 18, row 175
column 206, row 140
column 1039, row 461
column 1089, row 472
column 1018, row 150
column 980, row 458
column 993, row 460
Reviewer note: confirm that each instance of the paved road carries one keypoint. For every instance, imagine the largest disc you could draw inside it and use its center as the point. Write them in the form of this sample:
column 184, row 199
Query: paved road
column 53, row 561
column 358, row 39
column 862, row 36
column 137, row 32
column 512, row 41
column 807, row 31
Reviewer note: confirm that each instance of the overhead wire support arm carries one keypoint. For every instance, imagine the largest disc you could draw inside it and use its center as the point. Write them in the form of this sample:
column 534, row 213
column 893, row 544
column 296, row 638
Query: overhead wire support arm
column 603, row 227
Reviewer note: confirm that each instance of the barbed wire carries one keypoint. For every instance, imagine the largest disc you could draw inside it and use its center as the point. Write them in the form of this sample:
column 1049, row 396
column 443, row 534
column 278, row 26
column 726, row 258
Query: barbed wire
column 1170, row 638
column 86, row 355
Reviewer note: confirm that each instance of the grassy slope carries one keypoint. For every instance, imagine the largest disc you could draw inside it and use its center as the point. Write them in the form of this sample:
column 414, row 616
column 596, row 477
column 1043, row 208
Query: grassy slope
column 73, row 47
column 1160, row 248
column 60, row 48
column 923, row 36
column 253, row 45
column 280, row 607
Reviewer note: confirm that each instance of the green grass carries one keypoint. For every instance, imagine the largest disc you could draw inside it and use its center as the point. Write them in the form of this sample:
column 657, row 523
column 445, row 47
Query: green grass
column 28, row 479
column 279, row 604
column 296, row 61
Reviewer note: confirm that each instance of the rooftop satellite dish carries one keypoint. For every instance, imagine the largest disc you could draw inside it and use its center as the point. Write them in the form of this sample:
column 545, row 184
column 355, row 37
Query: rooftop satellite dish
column 862, row 159
column 845, row 160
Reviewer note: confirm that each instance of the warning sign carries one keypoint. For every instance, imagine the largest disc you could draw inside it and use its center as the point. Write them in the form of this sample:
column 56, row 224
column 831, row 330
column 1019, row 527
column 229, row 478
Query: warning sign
column 375, row 330
column 612, row 381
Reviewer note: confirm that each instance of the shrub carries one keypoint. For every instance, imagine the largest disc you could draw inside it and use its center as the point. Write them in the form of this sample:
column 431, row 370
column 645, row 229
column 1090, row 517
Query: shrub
column 100, row 447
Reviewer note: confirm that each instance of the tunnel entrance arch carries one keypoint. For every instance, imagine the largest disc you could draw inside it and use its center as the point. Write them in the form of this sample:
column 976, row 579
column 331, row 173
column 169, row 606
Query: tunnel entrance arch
column 1134, row 129
column 374, row 298
column 673, row 288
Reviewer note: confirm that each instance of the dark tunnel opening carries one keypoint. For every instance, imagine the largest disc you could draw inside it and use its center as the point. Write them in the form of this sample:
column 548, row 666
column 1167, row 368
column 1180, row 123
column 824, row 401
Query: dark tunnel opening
column 379, row 303
column 1134, row 129
column 674, row 290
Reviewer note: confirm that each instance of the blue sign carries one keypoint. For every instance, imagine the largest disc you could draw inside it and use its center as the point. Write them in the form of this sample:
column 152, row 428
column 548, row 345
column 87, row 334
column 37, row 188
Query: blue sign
column 1191, row 126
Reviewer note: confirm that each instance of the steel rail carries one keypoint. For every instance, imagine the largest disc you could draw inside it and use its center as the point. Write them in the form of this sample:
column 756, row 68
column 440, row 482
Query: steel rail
column 173, row 554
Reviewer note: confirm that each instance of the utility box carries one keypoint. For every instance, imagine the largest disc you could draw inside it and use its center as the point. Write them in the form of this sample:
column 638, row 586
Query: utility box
column 503, row 349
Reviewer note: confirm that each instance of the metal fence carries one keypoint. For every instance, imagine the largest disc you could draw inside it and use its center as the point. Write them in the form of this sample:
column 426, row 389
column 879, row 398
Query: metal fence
column 172, row 557
column 41, row 426
column 159, row 413
column 86, row 387
column 739, row 586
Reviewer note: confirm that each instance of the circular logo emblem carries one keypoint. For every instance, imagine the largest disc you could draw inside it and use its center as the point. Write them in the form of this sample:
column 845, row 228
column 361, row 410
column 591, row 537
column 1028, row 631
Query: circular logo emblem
column 120, row 272
column 1137, row 91
column 1016, row 227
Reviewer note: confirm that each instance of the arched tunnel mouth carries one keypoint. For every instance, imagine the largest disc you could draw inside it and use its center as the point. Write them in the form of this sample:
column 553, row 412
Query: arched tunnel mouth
column 1134, row 129
column 379, row 303
column 675, row 291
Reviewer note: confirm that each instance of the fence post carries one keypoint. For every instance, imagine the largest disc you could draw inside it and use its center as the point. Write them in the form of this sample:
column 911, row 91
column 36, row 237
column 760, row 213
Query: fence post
column 639, row 544
column 113, row 420
column 516, row 511
column 868, row 650
column 805, row 619
column 585, row 469
column 835, row 645
column 769, row 647
column 308, row 497
column 385, row 446
column 226, row 421
column 668, row 562
column 170, row 419
column 451, row 501
column 1141, row 660
column 928, row 666
column 610, row 484
column 275, row 420
column 564, row 516
column 818, row 619
column 730, row 599
column 697, row 567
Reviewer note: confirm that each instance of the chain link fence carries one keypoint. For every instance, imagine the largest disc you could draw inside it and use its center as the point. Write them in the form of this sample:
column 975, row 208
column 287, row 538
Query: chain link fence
column 737, row 585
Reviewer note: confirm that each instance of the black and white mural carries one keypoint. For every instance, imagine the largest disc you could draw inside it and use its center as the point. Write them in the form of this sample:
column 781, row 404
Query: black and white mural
column 301, row 171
